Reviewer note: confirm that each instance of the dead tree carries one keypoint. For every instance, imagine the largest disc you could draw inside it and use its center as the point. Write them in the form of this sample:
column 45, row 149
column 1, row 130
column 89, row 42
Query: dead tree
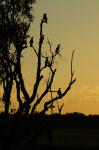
column 49, row 63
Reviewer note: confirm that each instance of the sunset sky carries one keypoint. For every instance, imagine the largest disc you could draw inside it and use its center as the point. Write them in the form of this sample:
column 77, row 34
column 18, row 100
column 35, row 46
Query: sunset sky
column 74, row 24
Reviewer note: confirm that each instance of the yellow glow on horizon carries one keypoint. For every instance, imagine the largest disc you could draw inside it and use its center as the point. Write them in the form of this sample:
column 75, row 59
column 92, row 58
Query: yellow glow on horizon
column 74, row 24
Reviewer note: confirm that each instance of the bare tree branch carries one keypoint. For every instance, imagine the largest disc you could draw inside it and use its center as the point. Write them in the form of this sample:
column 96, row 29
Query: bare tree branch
column 18, row 92
column 35, row 51
column 60, row 107
column 50, row 46
column 72, row 80
column 44, row 93
column 18, row 71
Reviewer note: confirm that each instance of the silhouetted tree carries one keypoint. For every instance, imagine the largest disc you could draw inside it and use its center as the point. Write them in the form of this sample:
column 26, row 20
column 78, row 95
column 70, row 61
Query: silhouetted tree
column 49, row 64
column 15, row 18
column 15, row 21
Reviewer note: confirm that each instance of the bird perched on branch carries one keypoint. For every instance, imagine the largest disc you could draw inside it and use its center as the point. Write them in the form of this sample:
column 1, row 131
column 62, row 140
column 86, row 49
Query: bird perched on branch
column 45, row 18
column 57, row 49
column 59, row 92
column 46, row 62
column 31, row 41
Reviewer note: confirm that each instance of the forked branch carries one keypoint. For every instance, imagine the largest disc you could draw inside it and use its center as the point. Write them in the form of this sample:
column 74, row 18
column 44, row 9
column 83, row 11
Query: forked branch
column 61, row 94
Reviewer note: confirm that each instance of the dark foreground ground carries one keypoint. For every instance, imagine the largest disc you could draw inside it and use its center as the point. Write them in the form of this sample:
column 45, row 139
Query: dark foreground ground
column 64, row 132
column 74, row 139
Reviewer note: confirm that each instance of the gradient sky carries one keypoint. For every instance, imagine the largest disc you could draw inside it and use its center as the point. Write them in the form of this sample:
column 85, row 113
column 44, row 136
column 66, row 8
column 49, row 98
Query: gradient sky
column 74, row 24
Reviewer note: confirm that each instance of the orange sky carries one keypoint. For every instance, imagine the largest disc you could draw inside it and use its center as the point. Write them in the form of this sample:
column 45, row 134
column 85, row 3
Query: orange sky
column 74, row 24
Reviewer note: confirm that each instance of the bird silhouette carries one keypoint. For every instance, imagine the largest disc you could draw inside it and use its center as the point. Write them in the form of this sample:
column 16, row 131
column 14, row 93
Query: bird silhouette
column 57, row 49
column 46, row 62
column 59, row 92
column 45, row 18
column 31, row 42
